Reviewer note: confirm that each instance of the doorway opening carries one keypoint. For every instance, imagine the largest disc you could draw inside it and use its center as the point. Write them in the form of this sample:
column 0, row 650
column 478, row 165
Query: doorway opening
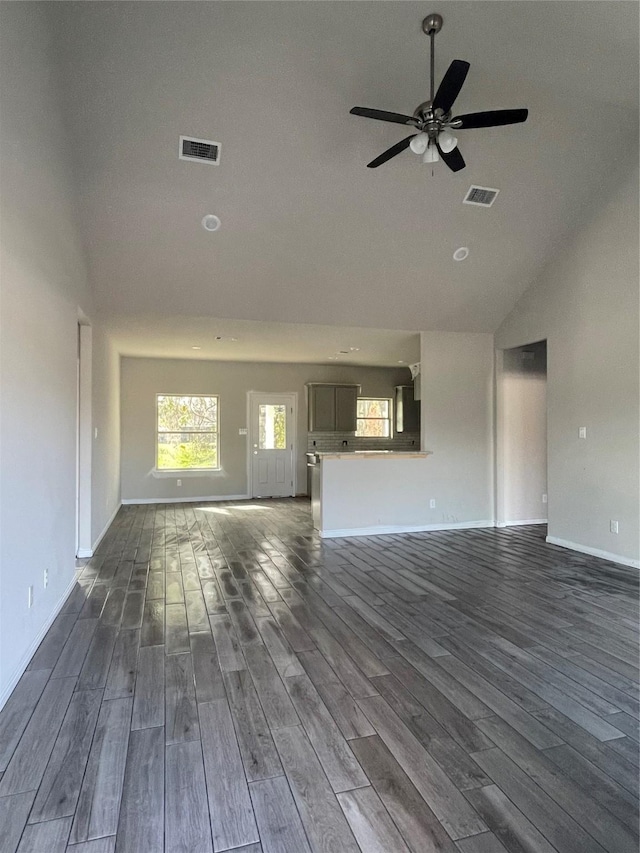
column 272, row 444
column 521, row 435
column 83, row 441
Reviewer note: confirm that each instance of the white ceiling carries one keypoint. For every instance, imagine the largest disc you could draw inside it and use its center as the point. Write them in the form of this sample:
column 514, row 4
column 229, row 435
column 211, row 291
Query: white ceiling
column 163, row 337
column 309, row 235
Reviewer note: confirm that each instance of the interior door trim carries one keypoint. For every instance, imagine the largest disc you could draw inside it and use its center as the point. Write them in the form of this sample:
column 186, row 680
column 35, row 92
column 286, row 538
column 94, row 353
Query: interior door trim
column 265, row 395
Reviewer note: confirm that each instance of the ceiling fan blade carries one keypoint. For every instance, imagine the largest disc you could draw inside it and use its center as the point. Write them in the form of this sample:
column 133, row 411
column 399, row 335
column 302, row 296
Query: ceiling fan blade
column 390, row 152
column 453, row 159
column 449, row 88
column 382, row 115
column 492, row 118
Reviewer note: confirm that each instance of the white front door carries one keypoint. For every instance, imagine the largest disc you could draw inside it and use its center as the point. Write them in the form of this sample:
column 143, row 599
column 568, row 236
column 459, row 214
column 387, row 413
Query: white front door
column 272, row 444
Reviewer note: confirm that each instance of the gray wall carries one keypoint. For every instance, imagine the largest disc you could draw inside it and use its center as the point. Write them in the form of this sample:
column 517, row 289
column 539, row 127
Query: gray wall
column 143, row 378
column 44, row 284
column 521, row 434
column 457, row 425
column 586, row 306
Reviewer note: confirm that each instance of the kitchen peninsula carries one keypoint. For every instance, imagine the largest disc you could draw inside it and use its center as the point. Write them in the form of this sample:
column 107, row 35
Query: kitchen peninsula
column 370, row 492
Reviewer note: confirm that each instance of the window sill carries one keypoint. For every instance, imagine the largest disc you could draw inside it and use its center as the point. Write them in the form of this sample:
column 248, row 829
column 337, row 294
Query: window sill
column 161, row 473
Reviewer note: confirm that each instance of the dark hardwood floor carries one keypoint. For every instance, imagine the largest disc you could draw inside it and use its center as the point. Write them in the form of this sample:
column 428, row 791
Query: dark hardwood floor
column 222, row 679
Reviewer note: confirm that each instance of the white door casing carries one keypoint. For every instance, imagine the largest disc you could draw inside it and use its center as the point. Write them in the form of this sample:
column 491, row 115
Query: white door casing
column 84, row 440
column 272, row 444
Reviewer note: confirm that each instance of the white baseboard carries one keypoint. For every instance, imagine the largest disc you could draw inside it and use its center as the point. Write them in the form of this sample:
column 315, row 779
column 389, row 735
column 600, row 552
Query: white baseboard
column 594, row 552
column 383, row 530
column 26, row 658
column 204, row 499
column 522, row 522
column 85, row 553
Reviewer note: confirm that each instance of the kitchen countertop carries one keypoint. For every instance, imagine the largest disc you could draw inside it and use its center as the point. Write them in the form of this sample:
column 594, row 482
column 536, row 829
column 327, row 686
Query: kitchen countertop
column 368, row 454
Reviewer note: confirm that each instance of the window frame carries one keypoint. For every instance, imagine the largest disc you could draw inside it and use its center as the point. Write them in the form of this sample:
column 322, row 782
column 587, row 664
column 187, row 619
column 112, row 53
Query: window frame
column 216, row 432
column 389, row 418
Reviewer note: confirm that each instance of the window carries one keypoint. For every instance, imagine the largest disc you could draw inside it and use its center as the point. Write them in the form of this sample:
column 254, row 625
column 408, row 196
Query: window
column 272, row 427
column 374, row 418
column 187, row 432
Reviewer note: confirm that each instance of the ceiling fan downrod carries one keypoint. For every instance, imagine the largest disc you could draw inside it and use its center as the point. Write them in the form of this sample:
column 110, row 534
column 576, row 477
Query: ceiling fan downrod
column 431, row 25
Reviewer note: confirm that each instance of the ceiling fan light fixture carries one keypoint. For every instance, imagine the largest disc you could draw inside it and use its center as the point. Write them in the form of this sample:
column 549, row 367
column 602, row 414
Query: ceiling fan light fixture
column 447, row 141
column 431, row 155
column 419, row 143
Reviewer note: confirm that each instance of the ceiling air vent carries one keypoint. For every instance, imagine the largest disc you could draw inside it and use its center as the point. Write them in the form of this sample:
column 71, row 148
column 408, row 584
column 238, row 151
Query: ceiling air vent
column 481, row 196
column 201, row 150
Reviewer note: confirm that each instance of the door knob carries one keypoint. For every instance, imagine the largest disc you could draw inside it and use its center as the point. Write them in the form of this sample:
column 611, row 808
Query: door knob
column 255, row 452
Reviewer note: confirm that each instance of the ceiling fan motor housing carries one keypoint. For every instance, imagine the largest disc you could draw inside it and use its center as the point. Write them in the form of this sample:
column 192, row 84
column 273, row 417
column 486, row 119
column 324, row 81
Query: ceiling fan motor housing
column 429, row 120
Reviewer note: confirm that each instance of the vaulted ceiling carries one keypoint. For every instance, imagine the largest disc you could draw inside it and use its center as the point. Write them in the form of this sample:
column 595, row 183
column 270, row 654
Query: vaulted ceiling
column 309, row 234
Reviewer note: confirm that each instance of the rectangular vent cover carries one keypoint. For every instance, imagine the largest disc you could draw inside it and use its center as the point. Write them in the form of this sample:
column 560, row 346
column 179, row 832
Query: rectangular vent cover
column 481, row 196
column 201, row 150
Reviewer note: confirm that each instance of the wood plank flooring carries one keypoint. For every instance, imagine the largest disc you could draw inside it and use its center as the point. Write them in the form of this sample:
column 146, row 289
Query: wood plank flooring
column 220, row 679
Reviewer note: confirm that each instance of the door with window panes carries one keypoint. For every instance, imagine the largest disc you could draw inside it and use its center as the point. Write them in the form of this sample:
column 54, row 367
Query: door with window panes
column 272, row 436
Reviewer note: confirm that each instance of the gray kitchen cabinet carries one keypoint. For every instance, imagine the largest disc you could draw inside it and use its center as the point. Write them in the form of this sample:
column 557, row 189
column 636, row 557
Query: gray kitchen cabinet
column 346, row 408
column 333, row 408
column 407, row 409
column 322, row 408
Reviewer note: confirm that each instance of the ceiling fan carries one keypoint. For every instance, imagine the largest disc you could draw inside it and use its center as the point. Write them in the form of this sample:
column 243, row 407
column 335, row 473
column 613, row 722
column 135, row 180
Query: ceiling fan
column 432, row 119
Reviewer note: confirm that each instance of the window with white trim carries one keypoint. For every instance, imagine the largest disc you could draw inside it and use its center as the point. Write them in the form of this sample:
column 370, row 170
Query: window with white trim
column 187, row 433
column 374, row 417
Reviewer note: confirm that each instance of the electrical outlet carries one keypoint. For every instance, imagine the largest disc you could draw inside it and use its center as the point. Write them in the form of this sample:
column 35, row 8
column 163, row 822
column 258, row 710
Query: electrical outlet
column 179, row 483
column 30, row 597
column 544, row 499
column 613, row 526
column 582, row 432
column 45, row 579
column 432, row 503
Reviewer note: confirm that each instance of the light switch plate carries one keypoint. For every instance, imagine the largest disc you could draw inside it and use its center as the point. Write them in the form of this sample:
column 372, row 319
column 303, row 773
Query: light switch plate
column 242, row 431
column 582, row 432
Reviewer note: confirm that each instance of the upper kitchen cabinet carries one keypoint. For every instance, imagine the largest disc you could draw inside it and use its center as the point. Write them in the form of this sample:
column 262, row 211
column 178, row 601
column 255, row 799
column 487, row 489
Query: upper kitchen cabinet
column 333, row 408
column 346, row 408
column 407, row 409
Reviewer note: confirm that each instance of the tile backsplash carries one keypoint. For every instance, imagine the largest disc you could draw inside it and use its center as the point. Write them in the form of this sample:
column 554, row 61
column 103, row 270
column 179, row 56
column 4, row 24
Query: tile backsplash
column 330, row 442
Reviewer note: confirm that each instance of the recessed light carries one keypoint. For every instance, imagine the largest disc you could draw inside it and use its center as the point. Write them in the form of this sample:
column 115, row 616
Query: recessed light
column 461, row 254
column 196, row 347
column 401, row 361
column 211, row 222
column 332, row 357
column 354, row 349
